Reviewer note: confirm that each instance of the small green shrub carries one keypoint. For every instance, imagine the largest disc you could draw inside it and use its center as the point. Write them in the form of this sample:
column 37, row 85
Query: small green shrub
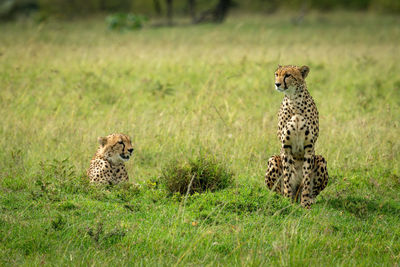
column 105, row 238
column 58, row 223
column 123, row 21
column 57, row 178
column 162, row 90
column 386, row 6
column 199, row 174
column 126, row 191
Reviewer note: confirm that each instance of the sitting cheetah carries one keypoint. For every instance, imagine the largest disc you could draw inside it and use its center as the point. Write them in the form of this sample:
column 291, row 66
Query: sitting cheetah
column 107, row 165
column 297, row 172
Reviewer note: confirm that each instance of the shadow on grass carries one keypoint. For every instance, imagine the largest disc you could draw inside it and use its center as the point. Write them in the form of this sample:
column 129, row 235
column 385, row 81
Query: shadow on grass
column 362, row 207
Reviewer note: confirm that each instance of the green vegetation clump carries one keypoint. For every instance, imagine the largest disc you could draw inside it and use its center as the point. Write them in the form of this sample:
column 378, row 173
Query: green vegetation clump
column 196, row 175
column 123, row 21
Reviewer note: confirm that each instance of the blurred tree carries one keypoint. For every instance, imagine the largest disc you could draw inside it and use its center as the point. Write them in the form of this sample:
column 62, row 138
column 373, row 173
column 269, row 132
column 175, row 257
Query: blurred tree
column 192, row 10
column 157, row 7
column 9, row 8
column 169, row 11
column 388, row 6
column 221, row 10
column 216, row 14
column 113, row 6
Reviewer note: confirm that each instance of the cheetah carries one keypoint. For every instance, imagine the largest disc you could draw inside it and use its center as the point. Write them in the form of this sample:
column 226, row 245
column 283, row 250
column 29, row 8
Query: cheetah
column 107, row 165
column 297, row 172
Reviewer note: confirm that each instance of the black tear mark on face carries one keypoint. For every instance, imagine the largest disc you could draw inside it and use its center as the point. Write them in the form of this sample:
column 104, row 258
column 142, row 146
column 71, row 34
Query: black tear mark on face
column 123, row 145
column 287, row 75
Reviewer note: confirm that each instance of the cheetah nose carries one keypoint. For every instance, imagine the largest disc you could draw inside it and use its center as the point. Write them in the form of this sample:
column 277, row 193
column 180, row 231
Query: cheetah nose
column 130, row 150
column 277, row 84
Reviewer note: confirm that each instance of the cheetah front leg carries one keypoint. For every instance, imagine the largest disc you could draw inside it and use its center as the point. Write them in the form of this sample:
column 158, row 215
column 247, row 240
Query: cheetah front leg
column 307, row 198
column 287, row 159
column 274, row 173
column 288, row 171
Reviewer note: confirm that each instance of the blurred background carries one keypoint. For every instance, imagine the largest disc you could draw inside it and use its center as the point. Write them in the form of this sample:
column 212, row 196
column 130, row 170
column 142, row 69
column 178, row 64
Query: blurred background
column 185, row 78
column 197, row 10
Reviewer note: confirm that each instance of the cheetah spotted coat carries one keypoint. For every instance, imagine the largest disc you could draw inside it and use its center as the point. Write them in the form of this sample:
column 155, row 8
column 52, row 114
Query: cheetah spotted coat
column 297, row 172
column 107, row 165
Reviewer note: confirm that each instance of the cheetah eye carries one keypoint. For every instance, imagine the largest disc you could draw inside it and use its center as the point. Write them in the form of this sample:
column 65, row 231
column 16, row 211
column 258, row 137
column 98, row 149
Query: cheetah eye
column 120, row 142
column 276, row 74
column 287, row 75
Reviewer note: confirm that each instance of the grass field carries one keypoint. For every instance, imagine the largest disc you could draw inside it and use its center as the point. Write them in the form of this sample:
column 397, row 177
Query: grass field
column 187, row 90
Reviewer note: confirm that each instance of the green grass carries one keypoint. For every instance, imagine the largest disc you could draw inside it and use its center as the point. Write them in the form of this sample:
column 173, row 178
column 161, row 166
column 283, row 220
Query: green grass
column 180, row 91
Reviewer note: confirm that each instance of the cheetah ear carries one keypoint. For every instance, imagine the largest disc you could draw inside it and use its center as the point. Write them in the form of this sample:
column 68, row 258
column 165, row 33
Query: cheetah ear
column 304, row 71
column 279, row 66
column 102, row 140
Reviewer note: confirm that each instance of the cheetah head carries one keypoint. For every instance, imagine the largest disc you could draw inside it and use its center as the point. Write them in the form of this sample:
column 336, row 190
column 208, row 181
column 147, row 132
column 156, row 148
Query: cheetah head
column 288, row 78
column 117, row 148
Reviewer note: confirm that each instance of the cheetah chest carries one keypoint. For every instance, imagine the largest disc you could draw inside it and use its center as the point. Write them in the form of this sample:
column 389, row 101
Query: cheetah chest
column 297, row 142
column 297, row 175
column 296, row 136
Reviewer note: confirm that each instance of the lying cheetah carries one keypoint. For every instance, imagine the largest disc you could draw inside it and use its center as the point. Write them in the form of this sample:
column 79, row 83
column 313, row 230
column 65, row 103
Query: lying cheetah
column 297, row 172
column 107, row 165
